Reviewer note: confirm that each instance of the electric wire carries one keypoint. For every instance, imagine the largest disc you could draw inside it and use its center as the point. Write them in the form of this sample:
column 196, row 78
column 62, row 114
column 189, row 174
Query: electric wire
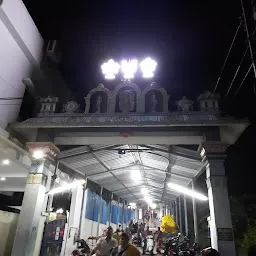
column 248, row 71
column 226, row 59
column 239, row 66
column 250, row 46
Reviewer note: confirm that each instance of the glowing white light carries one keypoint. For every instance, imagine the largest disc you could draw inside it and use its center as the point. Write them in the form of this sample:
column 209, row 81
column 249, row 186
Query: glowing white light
column 148, row 66
column 132, row 205
column 129, row 68
column 66, row 187
column 136, row 175
column 148, row 199
column 59, row 211
column 110, row 69
column 153, row 206
column 188, row 192
column 6, row 162
column 3, row 178
column 144, row 191
column 38, row 154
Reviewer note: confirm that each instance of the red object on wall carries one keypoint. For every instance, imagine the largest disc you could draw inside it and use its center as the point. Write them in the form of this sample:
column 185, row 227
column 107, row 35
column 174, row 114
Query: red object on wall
column 125, row 134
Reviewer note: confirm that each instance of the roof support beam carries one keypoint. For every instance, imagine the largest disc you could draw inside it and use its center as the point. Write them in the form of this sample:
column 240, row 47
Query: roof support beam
column 113, row 170
column 168, row 170
column 81, row 151
column 123, row 189
column 110, row 171
column 160, row 170
column 178, row 151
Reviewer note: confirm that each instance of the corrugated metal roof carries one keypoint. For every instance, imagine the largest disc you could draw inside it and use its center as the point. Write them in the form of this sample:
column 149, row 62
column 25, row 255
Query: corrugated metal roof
column 104, row 165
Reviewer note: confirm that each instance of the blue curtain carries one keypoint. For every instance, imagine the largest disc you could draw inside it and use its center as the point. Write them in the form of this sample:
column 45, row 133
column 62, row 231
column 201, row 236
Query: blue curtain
column 133, row 214
column 105, row 212
column 120, row 214
column 129, row 215
column 89, row 205
column 114, row 214
column 125, row 215
column 96, row 207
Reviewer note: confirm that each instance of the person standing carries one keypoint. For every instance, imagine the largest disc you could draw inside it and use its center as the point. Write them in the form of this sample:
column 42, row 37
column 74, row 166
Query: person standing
column 105, row 244
column 125, row 248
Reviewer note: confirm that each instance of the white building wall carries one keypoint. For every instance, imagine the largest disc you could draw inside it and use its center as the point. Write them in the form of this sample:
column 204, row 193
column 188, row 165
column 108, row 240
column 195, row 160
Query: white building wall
column 20, row 52
column 8, row 226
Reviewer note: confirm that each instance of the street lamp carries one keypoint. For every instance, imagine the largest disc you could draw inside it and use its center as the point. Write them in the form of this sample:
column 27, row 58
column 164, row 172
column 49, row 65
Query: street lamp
column 38, row 154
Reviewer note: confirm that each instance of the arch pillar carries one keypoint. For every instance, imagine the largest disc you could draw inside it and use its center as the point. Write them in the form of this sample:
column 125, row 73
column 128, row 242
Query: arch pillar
column 221, row 230
column 30, row 227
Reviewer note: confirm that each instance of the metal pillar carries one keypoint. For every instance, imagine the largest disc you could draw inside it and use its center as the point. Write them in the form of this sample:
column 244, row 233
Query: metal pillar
column 176, row 212
column 123, row 216
column 172, row 209
column 100, row 211
column 82, row 210
column 194, row 215
column 110, row 209
column 180, row 214
column 185, row 215
column 50, row 197
column 83, row 205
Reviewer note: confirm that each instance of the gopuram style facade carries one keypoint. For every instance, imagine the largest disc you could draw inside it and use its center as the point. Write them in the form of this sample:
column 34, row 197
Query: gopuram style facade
column 130, row 119
column 127, row 97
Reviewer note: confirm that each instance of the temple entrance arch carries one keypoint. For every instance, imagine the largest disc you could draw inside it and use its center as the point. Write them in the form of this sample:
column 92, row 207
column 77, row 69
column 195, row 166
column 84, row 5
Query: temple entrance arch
column 163, row 147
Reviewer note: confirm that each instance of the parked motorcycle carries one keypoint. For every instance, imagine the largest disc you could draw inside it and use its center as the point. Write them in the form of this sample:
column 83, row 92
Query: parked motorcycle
column 148, row 245
column 209, row 252
column 171, row 246
column 137, row 240
column 179, row 246
column 82, row 249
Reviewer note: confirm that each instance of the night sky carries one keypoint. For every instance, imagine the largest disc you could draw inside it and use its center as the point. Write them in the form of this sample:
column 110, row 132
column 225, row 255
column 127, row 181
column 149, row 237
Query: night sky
column 189, row 40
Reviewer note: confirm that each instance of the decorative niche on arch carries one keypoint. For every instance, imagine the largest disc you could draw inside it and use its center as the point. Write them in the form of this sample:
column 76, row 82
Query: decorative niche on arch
column 97, row 100
column 209, row 101
column 48, row 105
column 155, row 99
column 126, row 98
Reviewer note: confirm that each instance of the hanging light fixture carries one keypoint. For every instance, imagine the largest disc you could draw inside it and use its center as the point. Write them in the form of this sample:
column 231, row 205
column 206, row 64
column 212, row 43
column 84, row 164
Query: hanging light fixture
column 66, row 187
column 187, row 191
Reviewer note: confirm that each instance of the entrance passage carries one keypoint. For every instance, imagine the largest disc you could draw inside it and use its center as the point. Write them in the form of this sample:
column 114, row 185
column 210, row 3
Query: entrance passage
column 138, row 175
column 126, row 169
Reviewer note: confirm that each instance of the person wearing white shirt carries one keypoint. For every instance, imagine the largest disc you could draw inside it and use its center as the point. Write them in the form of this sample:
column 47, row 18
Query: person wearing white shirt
column 105, row 244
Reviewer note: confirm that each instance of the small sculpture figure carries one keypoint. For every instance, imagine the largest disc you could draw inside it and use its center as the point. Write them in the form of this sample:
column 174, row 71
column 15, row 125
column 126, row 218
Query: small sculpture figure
column 98, row 104
column 185, row 104
column 125, row 101
column 154, row 103
column 209, row 101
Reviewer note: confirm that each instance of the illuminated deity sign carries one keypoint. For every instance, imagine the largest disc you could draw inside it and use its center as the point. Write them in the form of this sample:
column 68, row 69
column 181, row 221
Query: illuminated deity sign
column 111, row 68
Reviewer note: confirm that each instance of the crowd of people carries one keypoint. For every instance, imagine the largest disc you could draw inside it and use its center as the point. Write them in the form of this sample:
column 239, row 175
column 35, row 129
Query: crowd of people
column 118, row 243
column 115, row 244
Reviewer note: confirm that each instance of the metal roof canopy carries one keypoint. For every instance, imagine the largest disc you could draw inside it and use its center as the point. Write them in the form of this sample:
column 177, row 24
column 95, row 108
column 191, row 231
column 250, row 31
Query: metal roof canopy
column 157, row 164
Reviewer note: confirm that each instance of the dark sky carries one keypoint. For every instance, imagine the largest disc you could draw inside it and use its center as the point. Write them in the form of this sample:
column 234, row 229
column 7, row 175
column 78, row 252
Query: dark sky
column 189, row 40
